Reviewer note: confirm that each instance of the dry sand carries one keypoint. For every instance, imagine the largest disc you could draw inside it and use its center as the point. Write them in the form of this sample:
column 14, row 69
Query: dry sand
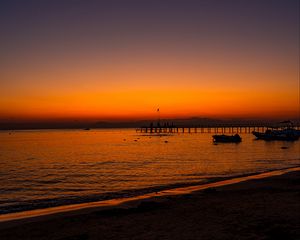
column 266, row 208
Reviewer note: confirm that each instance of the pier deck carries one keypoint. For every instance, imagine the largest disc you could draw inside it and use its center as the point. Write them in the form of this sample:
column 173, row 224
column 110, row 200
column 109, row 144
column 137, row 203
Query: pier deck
column 207, row 129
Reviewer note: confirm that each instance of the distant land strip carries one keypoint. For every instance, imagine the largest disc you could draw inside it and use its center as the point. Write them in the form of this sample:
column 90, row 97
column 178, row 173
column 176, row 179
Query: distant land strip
column 188, row 122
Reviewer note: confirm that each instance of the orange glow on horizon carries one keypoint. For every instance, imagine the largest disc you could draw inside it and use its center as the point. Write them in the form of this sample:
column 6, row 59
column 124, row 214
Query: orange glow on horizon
column 143, row 104
column 134, row 88
column 105, row 62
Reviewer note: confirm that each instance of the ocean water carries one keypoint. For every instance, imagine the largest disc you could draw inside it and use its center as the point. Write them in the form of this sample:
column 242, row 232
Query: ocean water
column 47, row 168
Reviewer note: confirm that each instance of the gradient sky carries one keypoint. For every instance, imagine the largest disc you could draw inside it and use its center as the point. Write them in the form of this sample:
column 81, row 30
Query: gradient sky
column 124, row 59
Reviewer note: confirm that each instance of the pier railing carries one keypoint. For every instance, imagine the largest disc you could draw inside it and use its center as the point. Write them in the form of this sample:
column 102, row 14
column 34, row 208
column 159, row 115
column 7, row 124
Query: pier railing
column 236, row 128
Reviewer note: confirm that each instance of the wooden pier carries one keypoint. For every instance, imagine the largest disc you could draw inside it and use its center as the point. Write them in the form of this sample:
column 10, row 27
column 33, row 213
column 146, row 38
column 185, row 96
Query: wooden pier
column 232, row 129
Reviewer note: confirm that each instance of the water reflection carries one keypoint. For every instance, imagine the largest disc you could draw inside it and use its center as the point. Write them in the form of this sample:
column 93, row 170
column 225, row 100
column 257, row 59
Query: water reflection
column 43, row 165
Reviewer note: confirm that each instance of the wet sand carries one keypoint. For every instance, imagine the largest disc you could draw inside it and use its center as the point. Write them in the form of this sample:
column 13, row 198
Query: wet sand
column 267, row 208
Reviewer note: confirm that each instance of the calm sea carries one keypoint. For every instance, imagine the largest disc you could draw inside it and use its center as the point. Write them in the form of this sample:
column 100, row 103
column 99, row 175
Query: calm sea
column 56, row 167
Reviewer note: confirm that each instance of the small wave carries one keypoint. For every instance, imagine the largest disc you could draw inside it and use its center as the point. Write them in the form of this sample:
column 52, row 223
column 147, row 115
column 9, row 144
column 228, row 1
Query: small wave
column 103, row 163
column 204, row 175
column 12, row 189
column 78, row 175
column 52, row 181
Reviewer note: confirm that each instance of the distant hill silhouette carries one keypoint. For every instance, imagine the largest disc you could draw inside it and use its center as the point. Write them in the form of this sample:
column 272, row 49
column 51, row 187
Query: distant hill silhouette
column 187, row 122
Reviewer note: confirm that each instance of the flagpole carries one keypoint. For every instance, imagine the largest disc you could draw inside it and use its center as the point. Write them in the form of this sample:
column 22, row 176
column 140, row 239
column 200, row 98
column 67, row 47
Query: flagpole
column 158, row 115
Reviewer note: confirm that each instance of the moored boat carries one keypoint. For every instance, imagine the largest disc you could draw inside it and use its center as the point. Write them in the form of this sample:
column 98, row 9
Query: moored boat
column 288, row 132
column 283, row 135
column 287, row 127
column 227, row 138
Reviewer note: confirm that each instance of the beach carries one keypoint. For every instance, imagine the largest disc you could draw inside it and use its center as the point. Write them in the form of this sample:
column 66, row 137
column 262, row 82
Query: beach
column 266, row 208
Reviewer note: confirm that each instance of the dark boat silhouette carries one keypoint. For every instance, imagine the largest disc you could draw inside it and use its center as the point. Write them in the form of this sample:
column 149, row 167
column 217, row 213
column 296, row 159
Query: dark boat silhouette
column 282, row 135
column 227, row 138
column 285, row 132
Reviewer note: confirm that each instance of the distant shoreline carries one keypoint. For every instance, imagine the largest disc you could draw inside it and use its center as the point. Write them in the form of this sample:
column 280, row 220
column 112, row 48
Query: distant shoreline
column 82, row 124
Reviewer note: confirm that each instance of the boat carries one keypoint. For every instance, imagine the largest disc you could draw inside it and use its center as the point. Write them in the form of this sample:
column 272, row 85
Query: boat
column 285, row 131
column 283, row 135
column 227, row 138
column 288, row 132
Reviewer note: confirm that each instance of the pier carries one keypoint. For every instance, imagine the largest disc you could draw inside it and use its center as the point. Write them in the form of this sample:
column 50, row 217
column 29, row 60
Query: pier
column 234, row 128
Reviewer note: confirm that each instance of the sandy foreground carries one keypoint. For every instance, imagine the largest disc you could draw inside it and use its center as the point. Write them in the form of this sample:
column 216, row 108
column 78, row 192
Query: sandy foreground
column 267, row 208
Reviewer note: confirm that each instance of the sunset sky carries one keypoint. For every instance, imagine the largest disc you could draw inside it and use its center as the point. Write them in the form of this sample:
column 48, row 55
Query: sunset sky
column 123, row 59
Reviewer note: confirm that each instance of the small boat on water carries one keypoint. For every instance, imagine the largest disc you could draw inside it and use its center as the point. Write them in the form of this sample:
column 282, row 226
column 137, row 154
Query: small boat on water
column 286, row 132
column 227, row 138
column 270, row 135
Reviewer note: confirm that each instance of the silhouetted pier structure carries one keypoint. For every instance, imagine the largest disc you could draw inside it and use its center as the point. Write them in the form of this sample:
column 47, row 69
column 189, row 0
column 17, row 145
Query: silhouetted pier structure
column 221, row 128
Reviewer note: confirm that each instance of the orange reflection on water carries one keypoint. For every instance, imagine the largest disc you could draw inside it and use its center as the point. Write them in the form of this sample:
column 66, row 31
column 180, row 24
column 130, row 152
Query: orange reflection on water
column 67, row 164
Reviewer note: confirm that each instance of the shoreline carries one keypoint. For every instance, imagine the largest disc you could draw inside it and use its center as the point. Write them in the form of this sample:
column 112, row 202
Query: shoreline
column 126, row 194
column 260, row 209
column 15, row 218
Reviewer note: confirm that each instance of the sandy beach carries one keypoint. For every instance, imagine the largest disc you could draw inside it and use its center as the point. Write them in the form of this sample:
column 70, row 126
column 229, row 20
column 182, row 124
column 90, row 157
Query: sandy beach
column 265, row 208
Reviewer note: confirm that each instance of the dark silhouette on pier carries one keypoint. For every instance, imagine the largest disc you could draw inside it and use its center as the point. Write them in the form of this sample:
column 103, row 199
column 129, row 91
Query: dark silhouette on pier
column 167, row 127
